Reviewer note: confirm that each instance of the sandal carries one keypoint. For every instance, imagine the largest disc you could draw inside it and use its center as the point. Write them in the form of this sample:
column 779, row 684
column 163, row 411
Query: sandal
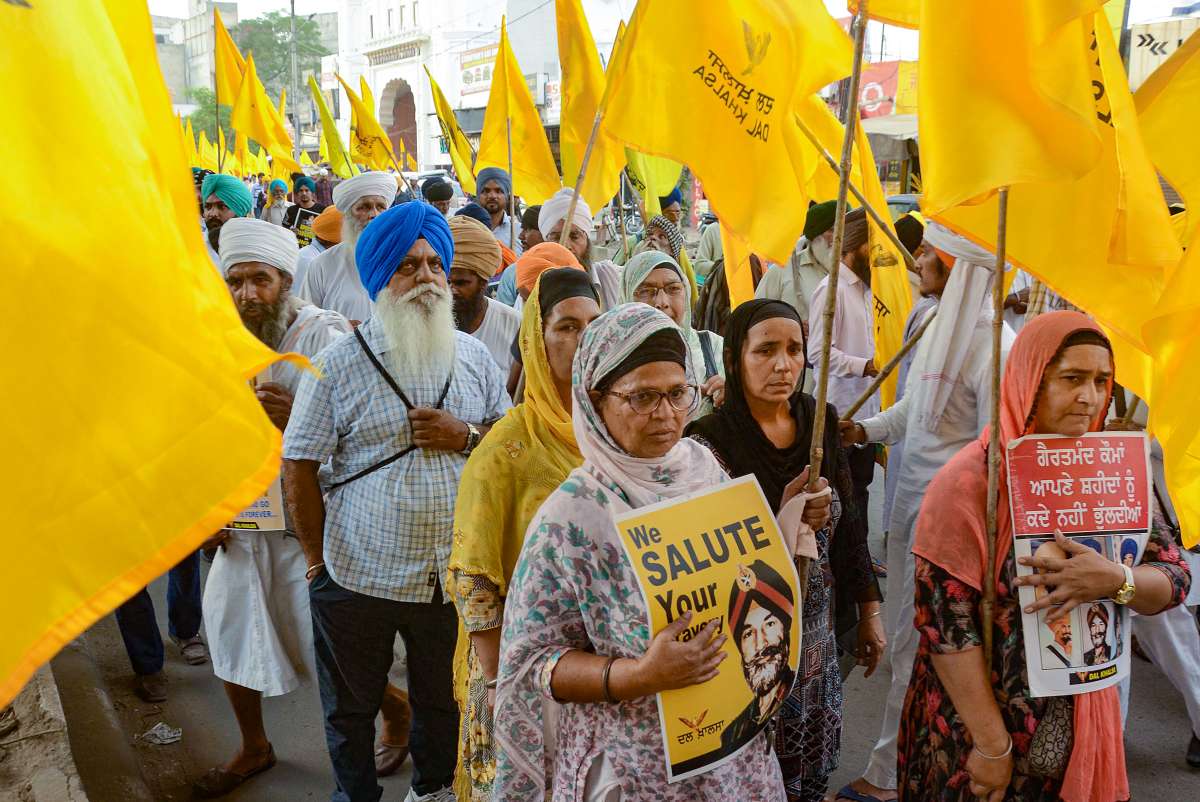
column 389, row 759
column 218, row 782
column 856, row 796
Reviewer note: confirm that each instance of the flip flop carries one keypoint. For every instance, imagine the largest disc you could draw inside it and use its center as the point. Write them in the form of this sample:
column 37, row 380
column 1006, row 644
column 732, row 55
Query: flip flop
column 856, row 796
column 389, row 759
column 218, row 782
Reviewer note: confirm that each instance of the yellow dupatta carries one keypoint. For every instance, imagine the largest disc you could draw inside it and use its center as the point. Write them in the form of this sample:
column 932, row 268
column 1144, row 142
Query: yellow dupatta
column 519, row 462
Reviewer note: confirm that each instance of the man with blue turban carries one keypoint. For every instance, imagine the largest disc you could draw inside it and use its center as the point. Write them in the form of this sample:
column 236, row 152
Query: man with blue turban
column 672, row 206
column 495, row 194
column 300, row 215
column 223, row 197
column 392, row 418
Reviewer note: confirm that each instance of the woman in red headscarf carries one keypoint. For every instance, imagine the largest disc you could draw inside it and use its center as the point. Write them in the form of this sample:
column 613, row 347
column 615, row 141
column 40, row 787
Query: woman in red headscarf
column 968, row 729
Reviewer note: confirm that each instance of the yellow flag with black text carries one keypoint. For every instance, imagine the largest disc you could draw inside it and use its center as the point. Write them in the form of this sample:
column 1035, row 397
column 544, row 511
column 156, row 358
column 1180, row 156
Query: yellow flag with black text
column 369, row 142
column 457, row 143
column 715, row 90
column 131, row 432
column 512, row 119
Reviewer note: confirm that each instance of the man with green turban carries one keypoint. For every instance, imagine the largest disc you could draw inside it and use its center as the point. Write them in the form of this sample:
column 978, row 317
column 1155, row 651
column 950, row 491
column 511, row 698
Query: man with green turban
column 224, row 197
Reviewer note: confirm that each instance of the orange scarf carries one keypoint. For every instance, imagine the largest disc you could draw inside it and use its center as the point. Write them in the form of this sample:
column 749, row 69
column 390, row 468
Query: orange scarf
column 952, row 534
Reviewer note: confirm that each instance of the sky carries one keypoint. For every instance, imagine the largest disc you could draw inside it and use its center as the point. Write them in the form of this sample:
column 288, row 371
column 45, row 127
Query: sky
column 1140, row 10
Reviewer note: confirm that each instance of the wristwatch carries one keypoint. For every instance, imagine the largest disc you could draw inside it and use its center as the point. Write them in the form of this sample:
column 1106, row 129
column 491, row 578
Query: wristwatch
column 473, row 438
column 1124, row 594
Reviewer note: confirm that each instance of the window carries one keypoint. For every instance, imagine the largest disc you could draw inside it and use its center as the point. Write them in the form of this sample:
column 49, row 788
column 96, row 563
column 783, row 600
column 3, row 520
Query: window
column 401, row 17
column 414, row 14
column 390, row 19
column 371, row 27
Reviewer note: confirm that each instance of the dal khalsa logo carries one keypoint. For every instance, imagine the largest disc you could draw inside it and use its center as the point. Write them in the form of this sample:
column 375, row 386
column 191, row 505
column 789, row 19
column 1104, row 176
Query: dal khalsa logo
column 694, row 725
column 756, row 46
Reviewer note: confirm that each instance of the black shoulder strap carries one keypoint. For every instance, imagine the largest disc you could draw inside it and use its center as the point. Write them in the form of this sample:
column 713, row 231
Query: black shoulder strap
column 408, row 404
column 710, row 362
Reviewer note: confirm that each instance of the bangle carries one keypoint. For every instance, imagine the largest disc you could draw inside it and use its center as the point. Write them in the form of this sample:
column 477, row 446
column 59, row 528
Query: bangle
column 1003, row 754
column 492, row 683
column 608, row 697
column 869, row 616
column 309, row 573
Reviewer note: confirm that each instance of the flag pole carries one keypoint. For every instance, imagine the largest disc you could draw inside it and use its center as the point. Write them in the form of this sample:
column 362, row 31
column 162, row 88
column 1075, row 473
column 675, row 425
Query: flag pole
column 621, row 219
column 874, row 215
column 217, row 108
column 817, row 452
column 587, row 156
column 994, row 444
column 887, row 369
column 512, row 198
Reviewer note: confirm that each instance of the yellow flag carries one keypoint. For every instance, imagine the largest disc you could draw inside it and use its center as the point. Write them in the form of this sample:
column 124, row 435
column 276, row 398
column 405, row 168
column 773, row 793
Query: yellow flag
column 1102, row 240
column 652, row 177
column 1169, row 117
column 131, row 432
column 905, row 13
column 1005, row 96
column 367, row 97
column 241, row 154
column 223, row 151
column 715, row 90
column 283, row 103
column 207, row 153
column 1174, row 340
column 189, row 139
column 339, row 161
column 534, row 174
column 370, row 141
column 461, row 154
column 738, row 273
column 305, row 159
column 255, row 116
column 582, row 88
column 229, row 63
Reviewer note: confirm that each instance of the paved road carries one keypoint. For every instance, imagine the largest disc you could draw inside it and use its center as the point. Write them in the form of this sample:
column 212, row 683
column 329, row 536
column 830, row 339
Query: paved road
column 1155, row 742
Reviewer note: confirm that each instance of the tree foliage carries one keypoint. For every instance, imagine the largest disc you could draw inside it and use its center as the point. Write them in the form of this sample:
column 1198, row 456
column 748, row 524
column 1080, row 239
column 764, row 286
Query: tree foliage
column 269, row 38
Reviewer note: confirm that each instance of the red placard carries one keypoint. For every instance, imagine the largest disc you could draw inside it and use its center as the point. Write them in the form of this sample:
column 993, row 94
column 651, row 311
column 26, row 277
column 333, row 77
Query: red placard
column 1096, row 483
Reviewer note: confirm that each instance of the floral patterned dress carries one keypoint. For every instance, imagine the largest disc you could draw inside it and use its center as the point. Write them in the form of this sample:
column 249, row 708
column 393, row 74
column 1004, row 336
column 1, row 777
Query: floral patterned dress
column 934, row 744
column 575, row 589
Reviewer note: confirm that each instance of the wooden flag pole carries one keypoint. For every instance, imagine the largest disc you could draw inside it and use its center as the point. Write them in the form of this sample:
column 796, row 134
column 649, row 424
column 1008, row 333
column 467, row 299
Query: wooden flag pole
column 887, row 230
column 887, row 369
column 512, row 197
column 817, row 452
column 217, row 109
column 994, row 444
column 587, row 156
column 1127, row 418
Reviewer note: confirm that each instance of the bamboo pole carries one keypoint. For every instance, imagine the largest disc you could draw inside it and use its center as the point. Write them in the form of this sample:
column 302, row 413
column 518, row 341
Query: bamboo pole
column 512, row 197
column 994, row 444
column 217, row 109
column 587, row 156
column 889, row 367
column 1127, row 418
column 817, row 452
column 887, row 230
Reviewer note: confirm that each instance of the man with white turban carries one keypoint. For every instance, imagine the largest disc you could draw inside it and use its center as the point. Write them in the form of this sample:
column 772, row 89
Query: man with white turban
column 373, row 455
column 256, row 600
column 946, row 404
column 332, row 279
column 606, row 276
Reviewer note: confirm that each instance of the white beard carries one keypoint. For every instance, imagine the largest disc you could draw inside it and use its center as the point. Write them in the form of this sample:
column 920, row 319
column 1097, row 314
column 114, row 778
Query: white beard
column 822, row 253
column 350, row 232
column 419, row 326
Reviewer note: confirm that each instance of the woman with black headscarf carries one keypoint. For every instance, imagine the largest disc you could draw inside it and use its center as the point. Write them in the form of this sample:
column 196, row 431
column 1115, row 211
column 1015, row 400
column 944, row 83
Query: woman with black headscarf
column 765, row 428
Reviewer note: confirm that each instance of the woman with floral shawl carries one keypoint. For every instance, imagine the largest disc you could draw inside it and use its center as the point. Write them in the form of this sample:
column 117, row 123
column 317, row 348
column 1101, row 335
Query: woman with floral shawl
column 575, row 623
column 524, row 457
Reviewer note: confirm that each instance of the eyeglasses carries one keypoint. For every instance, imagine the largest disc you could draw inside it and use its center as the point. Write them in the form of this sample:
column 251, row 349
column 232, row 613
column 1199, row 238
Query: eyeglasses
column 648, row 293
column 645, row 402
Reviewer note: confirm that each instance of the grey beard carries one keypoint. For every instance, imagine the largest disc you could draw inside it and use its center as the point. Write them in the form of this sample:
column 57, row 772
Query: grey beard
column 271, row 327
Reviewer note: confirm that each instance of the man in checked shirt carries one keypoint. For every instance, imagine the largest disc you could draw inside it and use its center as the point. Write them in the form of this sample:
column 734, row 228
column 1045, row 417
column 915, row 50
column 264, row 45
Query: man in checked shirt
column 373, row 454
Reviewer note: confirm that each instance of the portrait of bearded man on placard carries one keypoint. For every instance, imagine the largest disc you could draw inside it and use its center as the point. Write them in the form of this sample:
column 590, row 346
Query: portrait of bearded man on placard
column 761, row 609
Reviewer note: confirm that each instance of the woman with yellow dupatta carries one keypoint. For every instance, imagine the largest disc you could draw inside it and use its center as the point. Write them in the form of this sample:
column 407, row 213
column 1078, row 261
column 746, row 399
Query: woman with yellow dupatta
column 517, row 465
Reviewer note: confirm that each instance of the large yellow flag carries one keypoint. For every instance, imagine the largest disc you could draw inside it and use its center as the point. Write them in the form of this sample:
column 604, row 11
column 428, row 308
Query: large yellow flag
column 130, row 429
column 255, row 116
column 1005, row 96
column 461, row 154
column 189, row 138
column 369, row 142
column 1174, row 339
column 332, row 149
column 368, row 98
column 1169, row 115
column 534, row 174
column 1103, row 240
column 582, row 88
column 716, row 91
column 229, row 63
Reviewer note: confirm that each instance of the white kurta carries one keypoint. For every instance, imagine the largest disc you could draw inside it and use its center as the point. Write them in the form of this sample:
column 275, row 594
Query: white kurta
column 305, row 259
column 256, row 599
column 332, row 282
